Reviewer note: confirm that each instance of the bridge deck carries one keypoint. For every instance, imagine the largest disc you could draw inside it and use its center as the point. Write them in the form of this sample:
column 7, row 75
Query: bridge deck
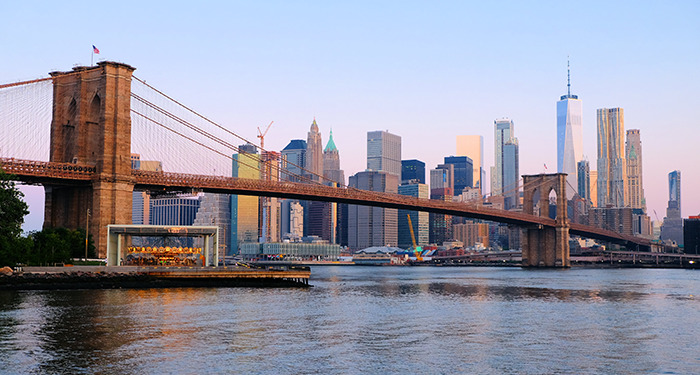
column 68, row 173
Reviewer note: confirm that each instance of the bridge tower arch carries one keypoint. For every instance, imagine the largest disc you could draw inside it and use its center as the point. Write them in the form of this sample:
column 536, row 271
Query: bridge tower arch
column 545, row 246
column 91, row 125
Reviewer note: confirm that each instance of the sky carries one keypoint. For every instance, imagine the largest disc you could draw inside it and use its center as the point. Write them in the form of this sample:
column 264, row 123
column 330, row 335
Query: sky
column 427, row 71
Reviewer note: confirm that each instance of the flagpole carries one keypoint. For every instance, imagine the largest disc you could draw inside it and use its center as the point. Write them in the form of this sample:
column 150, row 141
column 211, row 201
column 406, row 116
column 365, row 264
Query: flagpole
column 92, row 55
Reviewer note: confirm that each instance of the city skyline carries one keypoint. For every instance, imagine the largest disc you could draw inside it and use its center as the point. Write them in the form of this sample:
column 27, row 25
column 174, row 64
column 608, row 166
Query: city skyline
column 424, row 73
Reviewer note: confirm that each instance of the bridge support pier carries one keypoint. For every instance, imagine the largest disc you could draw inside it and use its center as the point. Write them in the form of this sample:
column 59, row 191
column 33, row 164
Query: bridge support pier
column 545, row 246
column 91, row 125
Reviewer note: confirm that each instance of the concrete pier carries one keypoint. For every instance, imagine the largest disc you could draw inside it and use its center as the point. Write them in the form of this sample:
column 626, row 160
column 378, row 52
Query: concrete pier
column 101, row 277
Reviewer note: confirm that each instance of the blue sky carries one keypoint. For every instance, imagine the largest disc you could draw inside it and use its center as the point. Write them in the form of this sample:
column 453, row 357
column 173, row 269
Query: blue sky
column 427, row 71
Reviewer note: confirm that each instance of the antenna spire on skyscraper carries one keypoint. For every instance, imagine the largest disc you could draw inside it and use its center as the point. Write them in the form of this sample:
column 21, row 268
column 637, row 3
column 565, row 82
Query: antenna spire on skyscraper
column 568, row 77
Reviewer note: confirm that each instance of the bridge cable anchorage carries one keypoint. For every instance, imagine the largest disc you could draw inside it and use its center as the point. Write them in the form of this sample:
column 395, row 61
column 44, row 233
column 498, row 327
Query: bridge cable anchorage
column 310, row 173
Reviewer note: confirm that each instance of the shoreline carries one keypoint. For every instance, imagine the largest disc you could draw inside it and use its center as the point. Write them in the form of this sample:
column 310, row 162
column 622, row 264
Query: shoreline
column 101, row 277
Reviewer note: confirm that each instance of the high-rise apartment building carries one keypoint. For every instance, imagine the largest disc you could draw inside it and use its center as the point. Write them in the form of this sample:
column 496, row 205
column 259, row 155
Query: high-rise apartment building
column 503, row 132
column 633, row 155
column 569, row 134
column 463, row 172
column 612, row 171
column 672, row 228
column 373, row 226
column 245, row 208
column 471, row 233
column 419, row 219
column 412, row 170
column 314, row 154
column 384, row 152
column 473, row 147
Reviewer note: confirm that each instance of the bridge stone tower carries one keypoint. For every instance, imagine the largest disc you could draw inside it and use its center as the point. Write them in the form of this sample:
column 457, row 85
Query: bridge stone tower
column 545, row 246
column 92, row 126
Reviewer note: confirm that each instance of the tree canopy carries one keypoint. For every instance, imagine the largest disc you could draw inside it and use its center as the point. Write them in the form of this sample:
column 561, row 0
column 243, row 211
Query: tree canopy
column 12, row 212
column 12, row 208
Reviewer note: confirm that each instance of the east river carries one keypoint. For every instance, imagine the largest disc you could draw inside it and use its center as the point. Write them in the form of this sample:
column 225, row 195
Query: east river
column 369, row 320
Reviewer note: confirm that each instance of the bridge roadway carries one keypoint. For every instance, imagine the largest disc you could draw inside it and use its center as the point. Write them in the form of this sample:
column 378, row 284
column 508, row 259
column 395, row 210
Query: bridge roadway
column 39, row 172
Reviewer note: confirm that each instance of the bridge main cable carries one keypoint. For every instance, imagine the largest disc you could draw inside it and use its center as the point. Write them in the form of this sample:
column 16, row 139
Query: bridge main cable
column 320, row 176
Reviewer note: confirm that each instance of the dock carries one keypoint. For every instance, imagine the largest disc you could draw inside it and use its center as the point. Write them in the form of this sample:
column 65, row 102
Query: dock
column 117, row 277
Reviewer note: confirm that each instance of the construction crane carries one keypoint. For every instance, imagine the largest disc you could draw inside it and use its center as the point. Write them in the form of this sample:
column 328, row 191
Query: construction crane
column 261, row 135
column 416, row 249
column 266, row 175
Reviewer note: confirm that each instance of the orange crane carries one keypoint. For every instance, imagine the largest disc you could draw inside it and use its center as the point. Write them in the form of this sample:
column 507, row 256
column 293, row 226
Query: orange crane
column 266, row 175
column 416, row 249
column 261, row 135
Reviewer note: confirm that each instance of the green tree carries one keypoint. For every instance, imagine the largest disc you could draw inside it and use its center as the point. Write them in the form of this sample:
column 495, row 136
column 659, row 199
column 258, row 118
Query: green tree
column 57, row 245
column 12, row 212
column 50, row 246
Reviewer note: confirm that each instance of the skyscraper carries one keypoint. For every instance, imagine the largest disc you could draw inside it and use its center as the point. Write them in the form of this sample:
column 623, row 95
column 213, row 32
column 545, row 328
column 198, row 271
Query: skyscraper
column 511, row 174
column 672, row 229
column 215, row 209
column 244, row 208
column 473, row 147
column 442, row 177
column 612, row 172
column 674, row 191
column 440, row 225
column 314, row 153
column 419, row 219
column 569, row 136
column 270, row 206
column 691, row 235
column 331, row 162
column 633, row 155
column 173, row 210
column 503, row 132
column 584, row 180
column 384, row 152
column 372, row 226
column 332, row 172
column 463, row 172
column 293, row 160
column 412, row 170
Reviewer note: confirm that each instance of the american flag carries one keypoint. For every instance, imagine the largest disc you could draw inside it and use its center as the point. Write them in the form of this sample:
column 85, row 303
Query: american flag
column 95, row 50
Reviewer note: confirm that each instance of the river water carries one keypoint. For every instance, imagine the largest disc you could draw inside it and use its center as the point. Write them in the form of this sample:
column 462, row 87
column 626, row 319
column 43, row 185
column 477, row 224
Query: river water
column 369, row 320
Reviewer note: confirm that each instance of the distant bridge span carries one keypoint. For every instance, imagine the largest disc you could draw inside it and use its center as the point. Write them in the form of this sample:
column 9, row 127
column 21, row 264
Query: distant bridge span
column 37, row 172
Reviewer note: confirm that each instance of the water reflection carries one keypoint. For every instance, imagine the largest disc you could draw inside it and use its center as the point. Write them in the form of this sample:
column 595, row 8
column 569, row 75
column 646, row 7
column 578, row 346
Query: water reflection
column 366, row 320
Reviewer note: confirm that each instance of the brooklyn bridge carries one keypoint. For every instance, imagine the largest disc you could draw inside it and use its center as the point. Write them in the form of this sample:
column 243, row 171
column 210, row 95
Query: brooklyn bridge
column 74, row 132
